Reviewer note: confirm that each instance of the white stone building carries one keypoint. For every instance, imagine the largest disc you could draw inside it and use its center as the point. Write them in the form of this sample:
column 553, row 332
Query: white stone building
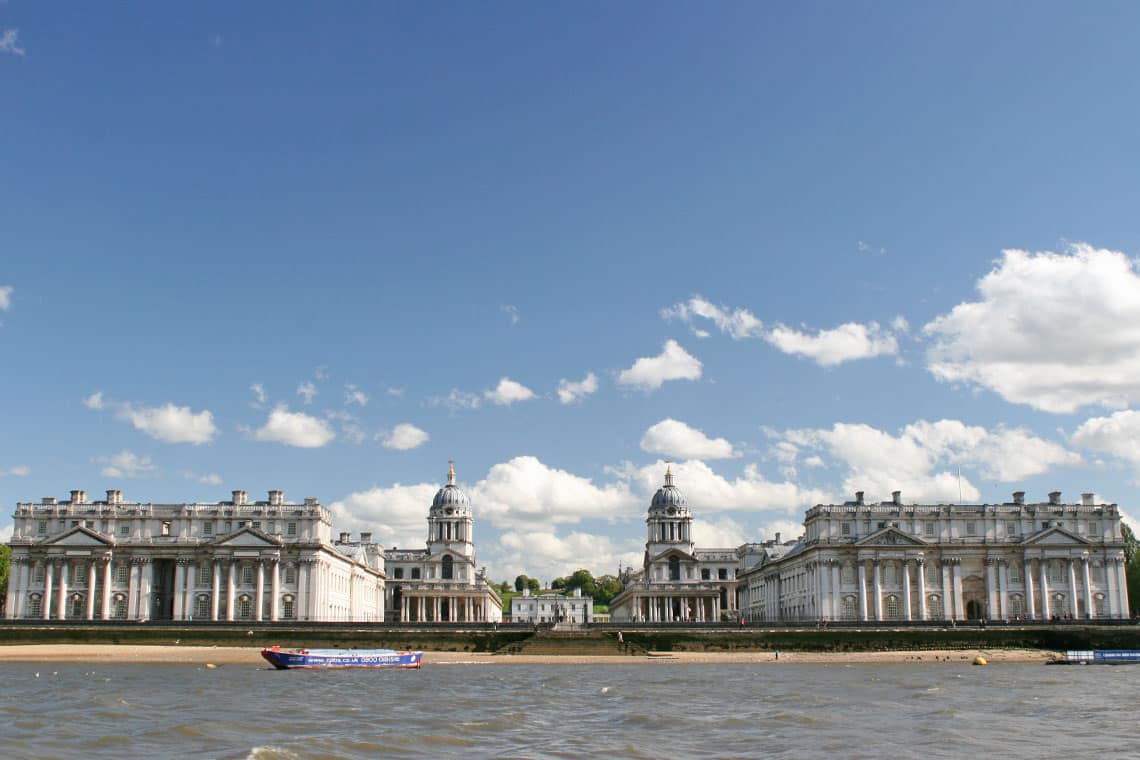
column 226, row 561
column 440, row 583
column 677, row 582
column 552, row 608
column 896, row 561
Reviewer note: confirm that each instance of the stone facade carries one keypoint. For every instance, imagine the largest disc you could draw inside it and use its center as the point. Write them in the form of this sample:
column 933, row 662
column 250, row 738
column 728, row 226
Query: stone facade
column 910, row 562
column 552, row 608
column 226, row 561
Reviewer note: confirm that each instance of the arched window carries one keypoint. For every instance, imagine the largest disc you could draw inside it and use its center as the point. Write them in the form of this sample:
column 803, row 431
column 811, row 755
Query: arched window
column 933, row 606
column 448, row 571
column 1016, row 606
column 119, row 607
column 202, row 607
column 674, row 568
column 849, row 607
column 245, row 609
column 893, row 607
column 287, row 610
column 1098, row 605
column 35, row 606
column 75, row 606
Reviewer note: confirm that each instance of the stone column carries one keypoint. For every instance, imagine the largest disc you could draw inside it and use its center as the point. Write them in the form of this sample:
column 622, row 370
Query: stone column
column 1042, row 566
column 1122, row 587
column 61, row 606
column 179, row 591
column 1003, row 581
column 991, row 590
column 959, row 606
column 231, row 589
column 275, row 589
column 1030, row 601
column 878, row 578
column 1090, row 611
column 216, row 592
column 13, row 587
column 920, row 565
column 49, row 577
column 18, row 590
column 302, row 605
column 1074, row 605
column 907, row 614
column 108, row 576
column 145, row 569
column 260, row 590
column 92, row 587
column 716, row 609
column 862, row 578
column 947, row 591
column 836, row 592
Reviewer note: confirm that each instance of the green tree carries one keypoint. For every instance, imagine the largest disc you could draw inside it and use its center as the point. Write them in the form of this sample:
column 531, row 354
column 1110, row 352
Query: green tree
column 559, row 584
column 1131, row 567
column 582, row 579
column 534, row 585
column 5, row 562
column 521, row 582
column 606, row 587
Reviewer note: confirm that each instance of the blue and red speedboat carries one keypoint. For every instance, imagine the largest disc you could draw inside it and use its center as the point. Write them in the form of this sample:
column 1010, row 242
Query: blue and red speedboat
column 289, row 659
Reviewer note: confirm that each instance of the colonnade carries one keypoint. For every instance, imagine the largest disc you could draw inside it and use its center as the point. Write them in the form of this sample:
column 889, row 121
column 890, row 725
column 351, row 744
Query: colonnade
column 660, row 608
column 430, row 607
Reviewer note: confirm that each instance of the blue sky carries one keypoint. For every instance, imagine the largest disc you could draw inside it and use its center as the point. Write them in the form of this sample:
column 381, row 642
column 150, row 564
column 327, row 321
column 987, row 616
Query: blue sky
column 796, row 250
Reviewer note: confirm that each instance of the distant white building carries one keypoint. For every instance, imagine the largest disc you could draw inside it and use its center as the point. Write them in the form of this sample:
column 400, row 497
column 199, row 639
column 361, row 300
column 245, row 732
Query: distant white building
column 227, row 561
column 552, row 608
column 895, row 561
column 677, row 582
column 440, row 583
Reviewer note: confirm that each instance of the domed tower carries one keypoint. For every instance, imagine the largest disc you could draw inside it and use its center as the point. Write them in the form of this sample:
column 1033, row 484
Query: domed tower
column 670, row 523
column 449, row 519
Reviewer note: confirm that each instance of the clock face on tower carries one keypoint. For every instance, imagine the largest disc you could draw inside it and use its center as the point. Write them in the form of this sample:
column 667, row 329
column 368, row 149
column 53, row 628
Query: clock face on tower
column 672, row 511
column 450, row 510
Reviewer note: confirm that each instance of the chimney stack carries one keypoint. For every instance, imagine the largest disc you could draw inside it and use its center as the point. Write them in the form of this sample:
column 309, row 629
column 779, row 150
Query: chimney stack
column 49, row 500
column 365, row 537
column 1019, row 497
column 344, row 537
column 1087, row 499
column 896, row 497
column 777, row 538
column 1054, row 497
column 276, row 498
column 859, row 497
column 114, row 496
column 78, row 497
column 239, row 498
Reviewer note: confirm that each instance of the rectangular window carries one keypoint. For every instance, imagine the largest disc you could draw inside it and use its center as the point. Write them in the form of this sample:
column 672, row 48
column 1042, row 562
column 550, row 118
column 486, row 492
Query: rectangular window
column 881, row 526
column 257, row 524
column 845, row 529
column 1011, row 528
column 399, row 571
column 704, row 573
column 971, row 528
column 247, row 574
column 41, row 527
column 721, row 574
column 930, row 529
column 287, row 609
column 241, row 524
column 124, row 530
column 165, row 530
column 79, row 573
column 205, row 575
column 415, row 573
column 89, row 524
column 208, row 528
column 290, row 574
column 122, row 574
column 38, row 575
column 75, row 523
column 229, row 525
column 1094, row 529
column 291, row 529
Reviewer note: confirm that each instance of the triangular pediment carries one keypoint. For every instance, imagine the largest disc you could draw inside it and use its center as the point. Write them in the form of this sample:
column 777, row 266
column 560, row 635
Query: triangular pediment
column 678, row 553
column 247, row 537
column 1055, row 536
column 79, row 536
column 890, row 537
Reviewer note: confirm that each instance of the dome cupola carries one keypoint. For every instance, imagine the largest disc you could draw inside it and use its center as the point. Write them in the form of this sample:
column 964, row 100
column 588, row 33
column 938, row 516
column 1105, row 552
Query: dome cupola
column 450, row 499
column 668, row 497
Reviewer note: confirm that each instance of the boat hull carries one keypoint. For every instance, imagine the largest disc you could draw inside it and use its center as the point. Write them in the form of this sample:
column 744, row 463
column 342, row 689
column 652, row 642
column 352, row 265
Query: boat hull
column 1099, row 657
column 313, row 659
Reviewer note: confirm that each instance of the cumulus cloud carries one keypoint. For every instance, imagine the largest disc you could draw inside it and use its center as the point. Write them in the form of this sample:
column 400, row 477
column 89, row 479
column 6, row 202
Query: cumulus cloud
column 1054, row 331
column 570, row 391
column 353, row 395
column 405, row 436
column 18, row 471
column 676, row 439
column 126, row 464
column 1117, row 435
column 828, row 348
column 208, row 479
column 5, row 297
column 259, row 393
column 10, row 43
column 922, row 459
column 508, row 392
column 725, row 532
column 94, row 401
column 350, row 427
column 167, row 423
column 6, row 533
column 650, row 372
column 458, row 399
column 307, row 391
column 547, row 555
column 525, row 490
column 397, row 514
column 739, row 323
column 708, row 491
column 295, row 429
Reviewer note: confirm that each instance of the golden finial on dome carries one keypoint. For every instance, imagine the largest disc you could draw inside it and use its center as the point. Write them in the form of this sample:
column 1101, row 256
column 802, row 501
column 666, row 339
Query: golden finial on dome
column 451, row 472
column 668, row 473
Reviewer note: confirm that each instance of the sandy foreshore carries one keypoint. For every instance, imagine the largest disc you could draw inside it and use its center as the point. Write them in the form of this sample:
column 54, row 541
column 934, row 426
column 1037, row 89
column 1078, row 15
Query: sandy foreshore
column 218, row 656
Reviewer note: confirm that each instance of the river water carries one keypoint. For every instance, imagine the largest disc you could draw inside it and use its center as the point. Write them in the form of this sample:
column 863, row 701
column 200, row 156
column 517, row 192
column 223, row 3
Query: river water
column 660, row 709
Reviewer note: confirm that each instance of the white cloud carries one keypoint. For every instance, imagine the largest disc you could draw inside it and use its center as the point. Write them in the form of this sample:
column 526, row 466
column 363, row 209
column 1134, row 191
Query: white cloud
column 295, row 429
column 259, row 393
column 353, row 395
column 739, row 323
column 170, row 423
column 126, row 465
column 508, row 392
column 788, row 530
column 650, row 372
column 19, row 471
column 871, row 250
column 94, row 401
column 922, row 459
column 1055, row 331
column 512, row 312
column 546, row 555
column 307, row 390
column 397, row 392
column 5, row 297
column 724, row 532
column 350, row 427
column 405, row 436
column 6, row 533
column 397, row 515
column 458, row 399
column 1118, row 435
column 9, row 42
column 524, row 490
column 676, row 439
column 209, row 478
column 707, row 491
column 828, row 348
column 570, row 391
